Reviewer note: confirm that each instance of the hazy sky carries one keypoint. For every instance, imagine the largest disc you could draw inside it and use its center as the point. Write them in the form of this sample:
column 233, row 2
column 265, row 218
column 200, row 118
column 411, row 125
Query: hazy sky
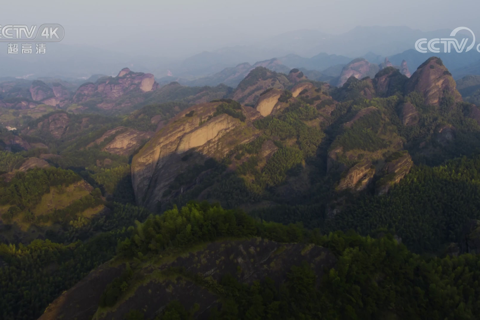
column 183, row 27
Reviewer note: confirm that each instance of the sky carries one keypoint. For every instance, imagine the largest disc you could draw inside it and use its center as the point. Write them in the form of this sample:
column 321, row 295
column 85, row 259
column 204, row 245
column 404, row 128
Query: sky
column 184, row 27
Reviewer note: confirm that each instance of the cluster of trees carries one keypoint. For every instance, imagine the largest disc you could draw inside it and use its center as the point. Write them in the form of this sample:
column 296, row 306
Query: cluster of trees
column 363, row 134
column 116, row 182
column 27, row 188
column 232, row 108
column 10, row 161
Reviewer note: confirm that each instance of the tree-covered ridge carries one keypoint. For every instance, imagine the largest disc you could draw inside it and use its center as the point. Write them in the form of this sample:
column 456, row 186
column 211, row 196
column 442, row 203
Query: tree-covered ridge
column 373, row 278
column 31, row 276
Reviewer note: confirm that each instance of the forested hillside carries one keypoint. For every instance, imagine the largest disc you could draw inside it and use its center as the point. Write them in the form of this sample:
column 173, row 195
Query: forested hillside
column 281, row 198
column 280, row 272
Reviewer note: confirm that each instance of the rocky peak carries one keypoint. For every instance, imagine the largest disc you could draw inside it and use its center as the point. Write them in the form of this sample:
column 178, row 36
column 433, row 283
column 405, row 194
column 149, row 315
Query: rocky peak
column 433, row 80
column 193, row 135
column 110, row 88
column 388, row 81
column 386, row 64
column 123, row 72
column 404, row 69
column 40, row 91
column 296, row 75
column 359, row 69
column 257, row 81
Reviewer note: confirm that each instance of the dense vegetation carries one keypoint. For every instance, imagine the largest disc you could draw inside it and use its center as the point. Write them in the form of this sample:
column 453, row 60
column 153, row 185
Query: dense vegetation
column 288, row 164
column 404, row 285
column 232, row 108
column 26, row 188
column 35, row 274
column 428, row 209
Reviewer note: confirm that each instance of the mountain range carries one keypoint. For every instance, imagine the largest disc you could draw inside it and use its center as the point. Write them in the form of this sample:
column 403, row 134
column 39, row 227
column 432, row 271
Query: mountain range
column 281, row 196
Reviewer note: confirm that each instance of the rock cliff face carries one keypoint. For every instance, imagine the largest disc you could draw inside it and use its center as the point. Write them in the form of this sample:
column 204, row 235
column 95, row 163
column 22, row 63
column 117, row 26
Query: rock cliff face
column 107, row 89
column 124, row 141
column 408, row 114
column 257, row 81
column 267, row 101
column 34, row 163
column 358, row 68
column 300, row 87
column 395, row 169
column 358, row 177
column 194, row 131
column 389, row 81
column 434, row 82
column 37, row 92
column 55, row 125
column 62, row 94
column 13, row 142
column 127, row 142
column 40, row 91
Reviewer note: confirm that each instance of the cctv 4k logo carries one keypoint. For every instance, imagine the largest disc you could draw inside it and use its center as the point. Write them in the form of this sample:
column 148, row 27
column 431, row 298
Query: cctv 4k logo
column 48, row 32
column 447, row 45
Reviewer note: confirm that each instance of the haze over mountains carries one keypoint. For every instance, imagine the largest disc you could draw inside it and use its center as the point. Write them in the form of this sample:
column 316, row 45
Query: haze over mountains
column 309, row 49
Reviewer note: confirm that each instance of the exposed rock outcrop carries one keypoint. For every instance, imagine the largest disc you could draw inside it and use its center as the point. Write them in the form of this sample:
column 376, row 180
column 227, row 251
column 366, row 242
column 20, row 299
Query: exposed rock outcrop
column 358, row 68
column 55, row 125
column 257, row 81
column 62, row 94
column 389, row 81
column 395, row 169
column 34, row 163
column 15, row 142
column 213, row 129
column 127, row 142
column 157, row 164
column 358, row 177
column 107, row 89
column 40, row 91
column 124, row 141
column 267, row 101
column 300, row 87
column 434, row 82
column 408, row 114
column 106, row 135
